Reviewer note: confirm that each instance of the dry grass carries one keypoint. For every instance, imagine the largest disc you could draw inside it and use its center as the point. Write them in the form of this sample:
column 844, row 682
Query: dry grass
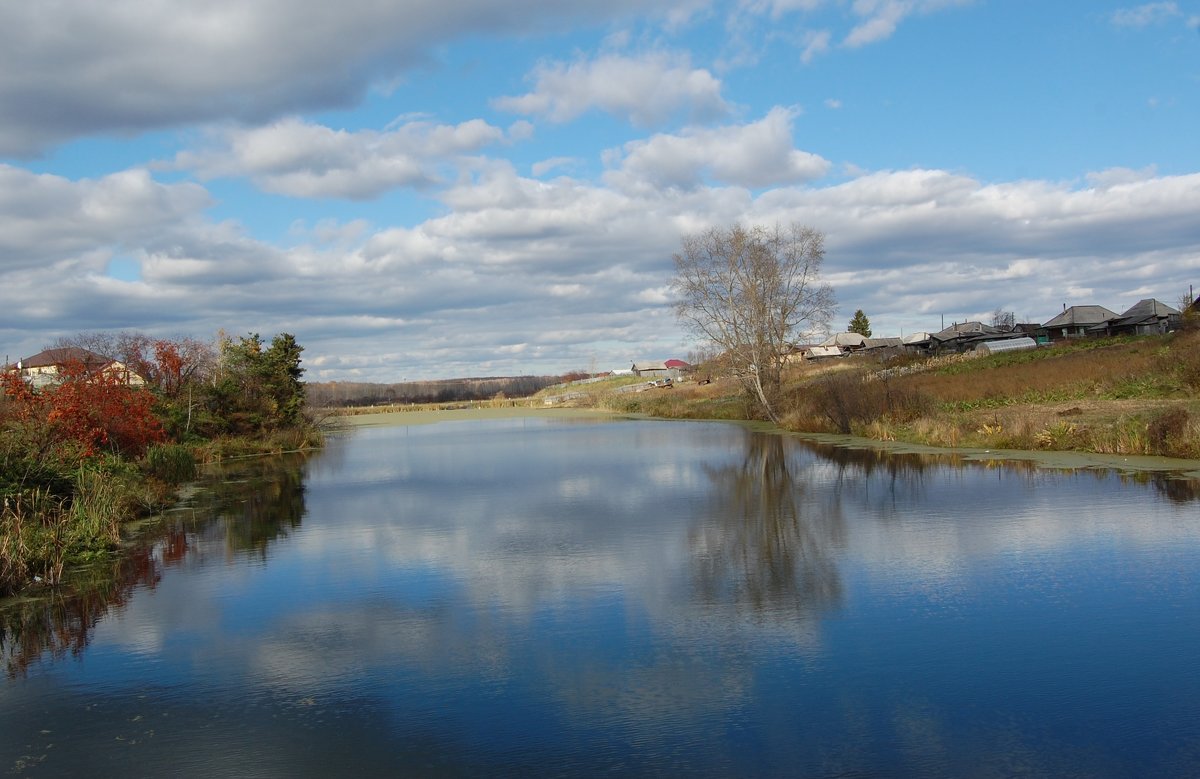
column 1132, row 396
column 1066, row 373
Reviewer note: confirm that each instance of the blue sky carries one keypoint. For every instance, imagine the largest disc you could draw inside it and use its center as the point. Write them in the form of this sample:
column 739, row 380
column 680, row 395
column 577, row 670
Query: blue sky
column 430, row 189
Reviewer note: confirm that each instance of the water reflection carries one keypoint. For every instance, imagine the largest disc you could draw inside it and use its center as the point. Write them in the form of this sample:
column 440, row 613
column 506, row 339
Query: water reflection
column 649, row 598
column 245, row 506
column 769, row 546
column 905, row 470
column 258, row 504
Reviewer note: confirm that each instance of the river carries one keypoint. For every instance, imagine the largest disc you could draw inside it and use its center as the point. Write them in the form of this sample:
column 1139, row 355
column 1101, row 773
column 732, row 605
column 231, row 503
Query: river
column 560, row 596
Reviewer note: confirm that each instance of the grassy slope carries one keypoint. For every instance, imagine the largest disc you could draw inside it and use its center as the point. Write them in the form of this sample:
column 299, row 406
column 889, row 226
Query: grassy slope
column 1133, row 396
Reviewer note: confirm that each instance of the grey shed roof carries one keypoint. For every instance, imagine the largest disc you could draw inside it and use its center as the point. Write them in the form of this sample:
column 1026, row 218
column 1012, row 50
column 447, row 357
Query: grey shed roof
column 1149, row 308
column 844, row 339
column 959, row 329
column 1078, row 316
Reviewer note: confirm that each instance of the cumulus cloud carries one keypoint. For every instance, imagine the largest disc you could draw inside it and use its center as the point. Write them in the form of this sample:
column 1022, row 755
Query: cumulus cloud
column 647, row 90
column 521, row 275
column 46, row 218
column 136, row 66
column 302, row 159
column 753, row 155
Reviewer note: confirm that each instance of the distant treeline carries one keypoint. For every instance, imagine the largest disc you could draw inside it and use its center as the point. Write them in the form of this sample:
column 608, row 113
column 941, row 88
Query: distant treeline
column 341, row 394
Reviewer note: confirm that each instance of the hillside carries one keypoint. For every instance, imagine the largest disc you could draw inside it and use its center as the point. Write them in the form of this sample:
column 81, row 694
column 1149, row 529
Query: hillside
column 1133, row 395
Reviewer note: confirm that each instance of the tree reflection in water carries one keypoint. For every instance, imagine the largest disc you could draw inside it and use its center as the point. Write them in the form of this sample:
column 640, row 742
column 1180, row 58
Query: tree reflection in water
column 765, row 545
column 243, row 508
column 770, row 541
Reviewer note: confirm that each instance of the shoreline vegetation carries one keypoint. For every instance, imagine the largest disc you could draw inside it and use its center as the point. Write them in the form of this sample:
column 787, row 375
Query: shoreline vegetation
column 86, row 450
column 1132, row 396
column 1131, row 401
column 70, row 486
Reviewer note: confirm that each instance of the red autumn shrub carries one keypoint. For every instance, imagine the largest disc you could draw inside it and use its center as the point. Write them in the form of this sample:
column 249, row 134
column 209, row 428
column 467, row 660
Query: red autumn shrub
column 86, row 412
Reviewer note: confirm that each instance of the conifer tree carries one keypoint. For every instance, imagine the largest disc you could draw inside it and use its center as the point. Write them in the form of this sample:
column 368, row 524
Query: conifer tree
column 860, row 324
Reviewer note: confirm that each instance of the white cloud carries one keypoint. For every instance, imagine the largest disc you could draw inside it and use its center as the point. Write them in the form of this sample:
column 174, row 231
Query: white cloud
column 647, row 90
column 1145, row 15
column 301, row 159
column 880, row 18
column 543, row 167
column 753, row 155
column 79, row 68
column 815, row 42
column 573, row 270
column 870, row 21
column 1116, row 176
column 779, row 8
column 46, row 218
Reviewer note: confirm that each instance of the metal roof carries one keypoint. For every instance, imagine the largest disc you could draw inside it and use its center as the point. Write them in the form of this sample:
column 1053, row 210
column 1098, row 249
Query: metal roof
column 1081, row 316
column 1147, row 308
column 844, row 339
column 964, row 328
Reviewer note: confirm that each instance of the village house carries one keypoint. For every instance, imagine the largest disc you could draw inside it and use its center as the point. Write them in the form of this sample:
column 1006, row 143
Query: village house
column 1075, row 322
column 1146, row 317
column 44, row 368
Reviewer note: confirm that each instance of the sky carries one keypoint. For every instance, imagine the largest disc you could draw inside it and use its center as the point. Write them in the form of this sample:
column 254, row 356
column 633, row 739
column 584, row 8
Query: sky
column 421, row 189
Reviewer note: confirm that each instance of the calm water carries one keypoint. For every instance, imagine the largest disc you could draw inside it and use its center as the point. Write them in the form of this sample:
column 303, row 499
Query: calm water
column 559, row 597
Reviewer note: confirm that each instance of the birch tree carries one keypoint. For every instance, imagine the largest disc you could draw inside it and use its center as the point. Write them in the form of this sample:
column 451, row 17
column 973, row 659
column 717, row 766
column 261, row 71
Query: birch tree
column 751, row 291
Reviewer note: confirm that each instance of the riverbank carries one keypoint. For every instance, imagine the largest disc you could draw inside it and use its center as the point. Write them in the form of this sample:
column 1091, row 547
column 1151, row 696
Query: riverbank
column 60, row 518
column 1125, row 397
column 431, row 415
column 1052, row 459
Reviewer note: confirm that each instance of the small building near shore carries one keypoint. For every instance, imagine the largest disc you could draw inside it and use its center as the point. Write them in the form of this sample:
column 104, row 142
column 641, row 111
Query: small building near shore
column 47, row 366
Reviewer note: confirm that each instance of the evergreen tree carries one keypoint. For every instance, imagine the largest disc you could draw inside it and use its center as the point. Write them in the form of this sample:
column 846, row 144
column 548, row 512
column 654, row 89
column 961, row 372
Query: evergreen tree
column 282, row 374
column 860, row 324
column 258, row 387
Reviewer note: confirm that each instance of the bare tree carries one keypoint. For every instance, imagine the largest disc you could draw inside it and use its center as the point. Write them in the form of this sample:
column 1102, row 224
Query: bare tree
column 1005, row 320
column 750, row 292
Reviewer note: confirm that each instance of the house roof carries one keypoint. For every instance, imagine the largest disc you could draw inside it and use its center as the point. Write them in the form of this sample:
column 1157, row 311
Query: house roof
column 843, row 340
column 1081, row 316
column 672, row 363
column 1144, row 310
column 814, row 352
column 649, row 366
column 881, row 343
column 960, row 329
column 49, row 358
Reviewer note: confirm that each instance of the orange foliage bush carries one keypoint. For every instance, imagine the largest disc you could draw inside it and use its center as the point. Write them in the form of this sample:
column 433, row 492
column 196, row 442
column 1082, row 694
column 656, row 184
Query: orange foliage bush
column 86, row 412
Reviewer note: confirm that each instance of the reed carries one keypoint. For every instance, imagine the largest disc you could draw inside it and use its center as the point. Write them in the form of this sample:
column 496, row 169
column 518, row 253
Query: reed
column 171, row 463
